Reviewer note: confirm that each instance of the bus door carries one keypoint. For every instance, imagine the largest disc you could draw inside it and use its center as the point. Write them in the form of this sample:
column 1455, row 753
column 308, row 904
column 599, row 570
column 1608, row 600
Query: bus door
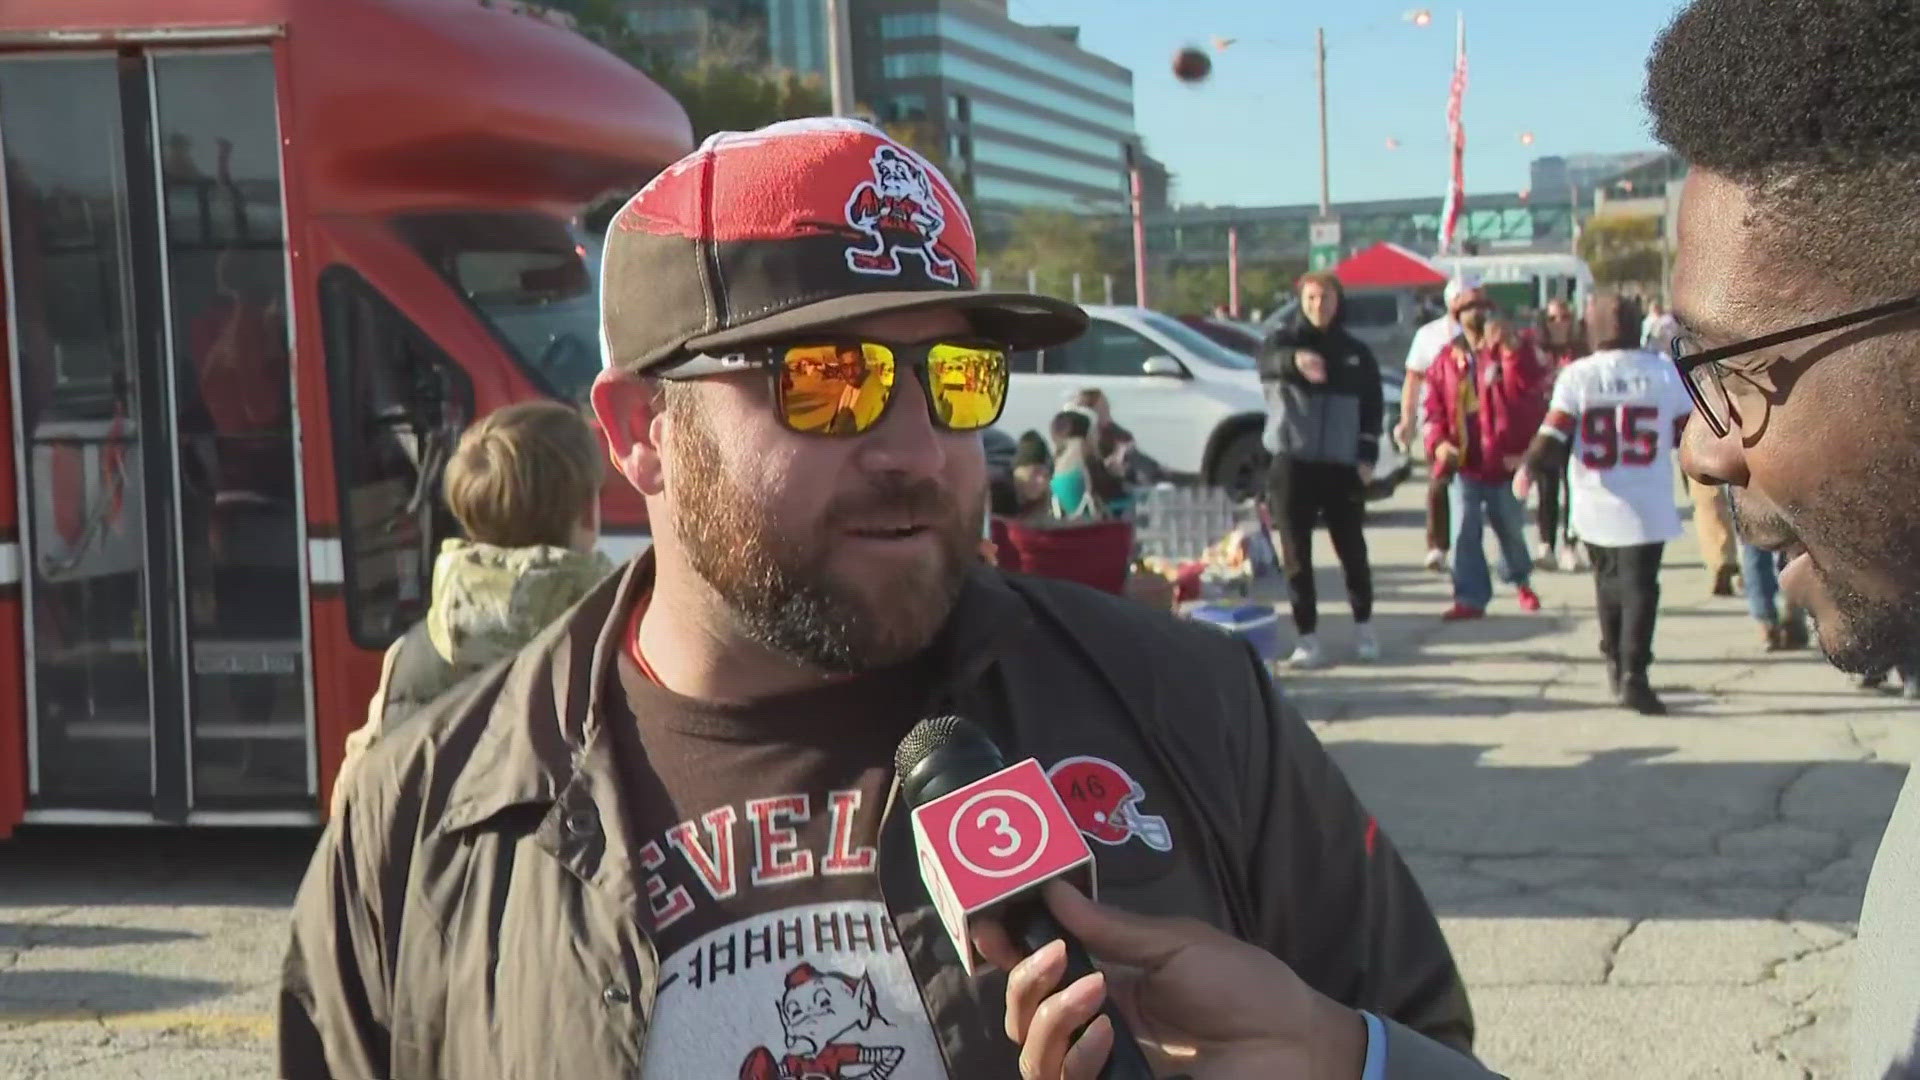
column 159, row 495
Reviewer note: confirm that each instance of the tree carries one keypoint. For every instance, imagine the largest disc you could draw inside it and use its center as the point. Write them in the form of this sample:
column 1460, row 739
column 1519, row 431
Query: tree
column 1054, row 245
column 1623, row 249
column 1198, row 288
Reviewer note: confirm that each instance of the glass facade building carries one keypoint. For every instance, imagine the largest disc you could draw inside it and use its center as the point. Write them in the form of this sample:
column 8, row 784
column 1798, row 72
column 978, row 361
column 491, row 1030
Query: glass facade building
column 1022, row 114
column 1019, row 115
column 797, row 35
column 789, row 33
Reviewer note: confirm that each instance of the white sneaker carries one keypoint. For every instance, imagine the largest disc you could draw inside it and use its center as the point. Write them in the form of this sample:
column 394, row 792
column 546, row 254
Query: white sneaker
column 1308, row 654
column 1366, row 645
column 1543, row 554
column 1436, row 560
column 1569, row 559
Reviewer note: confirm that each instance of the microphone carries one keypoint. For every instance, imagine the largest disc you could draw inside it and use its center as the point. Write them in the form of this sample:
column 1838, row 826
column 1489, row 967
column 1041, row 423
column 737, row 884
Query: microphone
column 988, row 836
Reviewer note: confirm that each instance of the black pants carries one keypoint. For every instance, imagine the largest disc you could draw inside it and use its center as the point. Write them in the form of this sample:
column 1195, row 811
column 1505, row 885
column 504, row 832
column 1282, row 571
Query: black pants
column 1626, row 582
column 1550, row 481
column 1302, row 494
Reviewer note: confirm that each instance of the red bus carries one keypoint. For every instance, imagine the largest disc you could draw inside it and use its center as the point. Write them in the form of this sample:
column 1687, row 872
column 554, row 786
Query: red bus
column 263, row 260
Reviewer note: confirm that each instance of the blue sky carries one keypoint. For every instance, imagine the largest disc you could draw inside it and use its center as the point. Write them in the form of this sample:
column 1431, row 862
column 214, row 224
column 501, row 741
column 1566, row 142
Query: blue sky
column 1570, row 74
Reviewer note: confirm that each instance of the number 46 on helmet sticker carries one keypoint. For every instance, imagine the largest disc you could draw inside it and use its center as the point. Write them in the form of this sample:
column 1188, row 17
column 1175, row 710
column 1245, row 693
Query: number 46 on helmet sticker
column 1105, row 803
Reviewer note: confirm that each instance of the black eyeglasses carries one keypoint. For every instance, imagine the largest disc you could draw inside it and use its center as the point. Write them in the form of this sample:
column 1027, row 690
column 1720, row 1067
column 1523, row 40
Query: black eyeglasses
column 1706, row 376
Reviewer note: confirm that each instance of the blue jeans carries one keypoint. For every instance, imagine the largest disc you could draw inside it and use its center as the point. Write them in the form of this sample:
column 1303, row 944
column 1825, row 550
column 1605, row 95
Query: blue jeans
column 1476, row 504
column 1761, row 569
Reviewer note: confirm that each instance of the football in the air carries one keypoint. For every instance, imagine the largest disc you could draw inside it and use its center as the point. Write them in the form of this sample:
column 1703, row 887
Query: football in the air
column 1190, row 65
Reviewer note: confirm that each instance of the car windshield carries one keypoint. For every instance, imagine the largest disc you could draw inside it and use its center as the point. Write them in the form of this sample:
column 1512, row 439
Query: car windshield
column 1197, row 343
column 526, row 274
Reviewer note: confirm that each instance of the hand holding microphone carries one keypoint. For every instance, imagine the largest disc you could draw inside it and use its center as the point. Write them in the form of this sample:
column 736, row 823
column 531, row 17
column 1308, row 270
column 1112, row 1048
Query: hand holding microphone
column 1210, row 1007
column 1203, row 1005
column 989, row 837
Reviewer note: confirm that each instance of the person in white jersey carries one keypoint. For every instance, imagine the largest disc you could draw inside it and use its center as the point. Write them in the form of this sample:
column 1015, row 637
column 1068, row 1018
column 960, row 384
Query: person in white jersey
column 1428, row 341
column 1619, row 413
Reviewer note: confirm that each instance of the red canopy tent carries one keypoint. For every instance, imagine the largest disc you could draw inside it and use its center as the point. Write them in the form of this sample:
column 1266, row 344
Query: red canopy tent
column 1388, row 266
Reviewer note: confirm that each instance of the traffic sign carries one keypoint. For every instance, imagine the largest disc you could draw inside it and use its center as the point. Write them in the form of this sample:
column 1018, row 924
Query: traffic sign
column 1323, row 241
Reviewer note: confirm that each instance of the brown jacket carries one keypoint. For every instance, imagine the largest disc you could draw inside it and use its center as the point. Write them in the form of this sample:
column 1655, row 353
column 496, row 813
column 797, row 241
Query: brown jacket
column 473, row 911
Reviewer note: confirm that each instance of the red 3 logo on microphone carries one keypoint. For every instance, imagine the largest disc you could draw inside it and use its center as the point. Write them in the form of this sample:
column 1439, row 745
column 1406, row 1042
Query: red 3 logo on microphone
column 1105, row 803
column 999, row 832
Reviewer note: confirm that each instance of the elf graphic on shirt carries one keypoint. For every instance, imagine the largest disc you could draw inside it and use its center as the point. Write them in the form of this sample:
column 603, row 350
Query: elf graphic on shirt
column 819, row 1010
column 901, row 215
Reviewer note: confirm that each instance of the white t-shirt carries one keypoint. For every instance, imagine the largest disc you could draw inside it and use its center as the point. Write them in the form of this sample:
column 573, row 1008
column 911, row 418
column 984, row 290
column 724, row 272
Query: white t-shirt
column 1658, row 331
column 1623, row 411
column 1429, row 340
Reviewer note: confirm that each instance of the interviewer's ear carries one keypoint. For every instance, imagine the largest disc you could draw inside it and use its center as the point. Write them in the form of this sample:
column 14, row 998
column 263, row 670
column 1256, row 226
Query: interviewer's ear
column 632, row 415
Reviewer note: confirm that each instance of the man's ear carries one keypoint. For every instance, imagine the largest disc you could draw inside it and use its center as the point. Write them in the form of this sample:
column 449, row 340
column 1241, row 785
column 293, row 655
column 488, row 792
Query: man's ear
column 628, row 409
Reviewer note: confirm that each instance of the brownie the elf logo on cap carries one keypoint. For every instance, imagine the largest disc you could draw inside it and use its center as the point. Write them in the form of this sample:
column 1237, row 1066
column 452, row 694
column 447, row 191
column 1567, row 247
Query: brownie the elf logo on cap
column 899, row 214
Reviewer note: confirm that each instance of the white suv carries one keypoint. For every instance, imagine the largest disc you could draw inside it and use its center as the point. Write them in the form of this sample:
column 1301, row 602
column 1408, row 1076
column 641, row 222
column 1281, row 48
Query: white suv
column 1193, row 406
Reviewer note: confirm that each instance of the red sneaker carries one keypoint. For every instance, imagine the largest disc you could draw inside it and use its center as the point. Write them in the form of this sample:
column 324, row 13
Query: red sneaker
column 1529, row 600
column 1461, row 613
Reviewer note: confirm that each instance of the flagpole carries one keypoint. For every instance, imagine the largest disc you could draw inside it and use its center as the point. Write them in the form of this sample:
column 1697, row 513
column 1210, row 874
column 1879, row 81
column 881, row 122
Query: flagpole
column 1451, row 210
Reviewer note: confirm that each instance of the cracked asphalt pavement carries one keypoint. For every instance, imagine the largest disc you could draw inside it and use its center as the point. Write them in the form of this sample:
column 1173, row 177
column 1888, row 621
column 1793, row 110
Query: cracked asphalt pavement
column 1627, row 896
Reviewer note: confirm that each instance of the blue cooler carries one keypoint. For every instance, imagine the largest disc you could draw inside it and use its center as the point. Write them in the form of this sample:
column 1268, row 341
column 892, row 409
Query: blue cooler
column 1258, row 623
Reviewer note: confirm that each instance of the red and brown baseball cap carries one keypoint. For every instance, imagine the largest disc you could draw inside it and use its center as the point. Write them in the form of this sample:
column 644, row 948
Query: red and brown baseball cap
column 763, row 235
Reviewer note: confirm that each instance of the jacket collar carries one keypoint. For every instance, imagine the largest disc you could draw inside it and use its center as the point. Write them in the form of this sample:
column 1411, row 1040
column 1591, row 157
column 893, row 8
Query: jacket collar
column 543, row 732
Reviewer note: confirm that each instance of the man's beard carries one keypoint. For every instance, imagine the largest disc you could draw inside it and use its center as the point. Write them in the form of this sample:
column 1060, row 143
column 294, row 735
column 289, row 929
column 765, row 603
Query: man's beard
column 1874, row 635
column 1878, row 627
column 776, row 582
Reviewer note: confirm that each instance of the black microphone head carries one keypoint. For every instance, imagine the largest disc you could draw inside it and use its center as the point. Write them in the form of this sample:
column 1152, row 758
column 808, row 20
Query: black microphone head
column 942, row 754
column 932, row 734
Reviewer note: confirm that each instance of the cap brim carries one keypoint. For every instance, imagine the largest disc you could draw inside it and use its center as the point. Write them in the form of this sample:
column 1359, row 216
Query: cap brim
column 1019, row 320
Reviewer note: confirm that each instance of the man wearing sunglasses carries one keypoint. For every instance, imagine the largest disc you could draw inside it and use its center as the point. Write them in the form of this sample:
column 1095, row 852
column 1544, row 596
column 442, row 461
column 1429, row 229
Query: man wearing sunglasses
column 664, row 840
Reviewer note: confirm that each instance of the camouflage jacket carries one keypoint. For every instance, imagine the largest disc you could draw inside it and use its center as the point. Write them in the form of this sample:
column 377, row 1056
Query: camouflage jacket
column 488, row 602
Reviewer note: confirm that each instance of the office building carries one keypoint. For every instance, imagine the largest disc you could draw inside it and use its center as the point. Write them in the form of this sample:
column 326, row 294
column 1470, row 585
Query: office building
column 1025, row 116
column 797, row 35
column 1575, row 178
column 1156, row 184
column 1019, row 115
column 785, row 33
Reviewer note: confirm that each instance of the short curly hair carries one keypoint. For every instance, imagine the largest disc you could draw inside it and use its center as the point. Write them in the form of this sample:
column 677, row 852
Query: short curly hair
column 1812, row 106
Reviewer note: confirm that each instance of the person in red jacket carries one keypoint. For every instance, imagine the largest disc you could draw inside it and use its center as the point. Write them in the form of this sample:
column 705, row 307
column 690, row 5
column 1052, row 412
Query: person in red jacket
column 1485, row 399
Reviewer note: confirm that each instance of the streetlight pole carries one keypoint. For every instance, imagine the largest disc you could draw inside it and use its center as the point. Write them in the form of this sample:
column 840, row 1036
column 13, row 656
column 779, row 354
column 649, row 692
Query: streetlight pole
column 1326, row 187
column 839, row 58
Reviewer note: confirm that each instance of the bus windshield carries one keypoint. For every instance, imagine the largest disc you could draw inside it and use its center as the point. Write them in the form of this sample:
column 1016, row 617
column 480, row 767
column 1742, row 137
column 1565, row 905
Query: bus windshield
column 526, row 274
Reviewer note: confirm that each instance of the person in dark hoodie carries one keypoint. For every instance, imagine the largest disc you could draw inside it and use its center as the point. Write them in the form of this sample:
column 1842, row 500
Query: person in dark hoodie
column 1325, row 408
column 524, row 483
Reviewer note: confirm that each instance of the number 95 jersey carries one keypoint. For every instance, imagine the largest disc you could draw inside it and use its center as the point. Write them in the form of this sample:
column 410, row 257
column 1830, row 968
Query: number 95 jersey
column 1622, row 412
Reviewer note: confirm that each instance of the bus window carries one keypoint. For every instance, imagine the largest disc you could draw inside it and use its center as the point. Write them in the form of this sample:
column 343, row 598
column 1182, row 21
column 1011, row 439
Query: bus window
column 398, row 405
column 526, row 275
